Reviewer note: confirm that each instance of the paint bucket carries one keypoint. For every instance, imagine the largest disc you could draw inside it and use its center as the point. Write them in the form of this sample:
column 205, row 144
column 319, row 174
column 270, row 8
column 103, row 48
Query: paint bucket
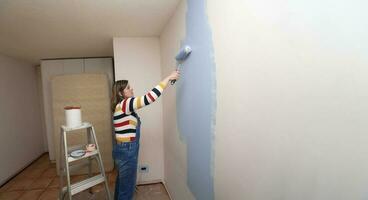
column 73, row 117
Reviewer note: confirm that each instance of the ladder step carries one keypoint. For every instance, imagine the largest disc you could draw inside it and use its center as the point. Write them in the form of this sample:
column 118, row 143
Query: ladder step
column 76, row 147
column 83, row 126
column 85, row 184
column 88, row 154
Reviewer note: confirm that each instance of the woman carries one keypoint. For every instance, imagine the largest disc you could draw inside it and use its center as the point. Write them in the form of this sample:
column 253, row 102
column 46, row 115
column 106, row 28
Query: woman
column 127, row 131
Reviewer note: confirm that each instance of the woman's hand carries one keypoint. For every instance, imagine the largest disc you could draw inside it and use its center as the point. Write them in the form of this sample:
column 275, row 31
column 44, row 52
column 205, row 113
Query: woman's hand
column 173, row 76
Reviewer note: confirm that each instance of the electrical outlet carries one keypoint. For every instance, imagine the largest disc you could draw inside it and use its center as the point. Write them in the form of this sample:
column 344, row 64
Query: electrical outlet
column 143, row 168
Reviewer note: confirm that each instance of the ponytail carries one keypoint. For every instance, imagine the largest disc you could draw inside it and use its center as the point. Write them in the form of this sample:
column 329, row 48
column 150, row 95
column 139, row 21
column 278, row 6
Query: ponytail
column 117, row 92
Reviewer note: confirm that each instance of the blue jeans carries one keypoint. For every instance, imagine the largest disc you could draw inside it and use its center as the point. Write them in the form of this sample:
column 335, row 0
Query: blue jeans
column 126, row 159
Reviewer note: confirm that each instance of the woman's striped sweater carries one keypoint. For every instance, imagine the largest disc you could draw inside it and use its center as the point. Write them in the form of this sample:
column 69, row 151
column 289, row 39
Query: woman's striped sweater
column 125, row 122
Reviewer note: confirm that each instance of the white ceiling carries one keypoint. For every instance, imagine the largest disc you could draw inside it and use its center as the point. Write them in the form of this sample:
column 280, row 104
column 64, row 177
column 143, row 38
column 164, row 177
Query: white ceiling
column 31, row 30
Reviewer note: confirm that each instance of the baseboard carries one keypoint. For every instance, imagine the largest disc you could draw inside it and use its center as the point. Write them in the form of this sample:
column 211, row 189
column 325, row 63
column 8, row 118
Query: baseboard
column 149, row 182
column 168, row 193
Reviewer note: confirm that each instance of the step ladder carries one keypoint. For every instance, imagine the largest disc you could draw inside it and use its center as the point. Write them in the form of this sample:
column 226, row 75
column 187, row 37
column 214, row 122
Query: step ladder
column 66, row 163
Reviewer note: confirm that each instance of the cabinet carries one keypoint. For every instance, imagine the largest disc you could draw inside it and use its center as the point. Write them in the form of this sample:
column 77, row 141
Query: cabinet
column 51, row 68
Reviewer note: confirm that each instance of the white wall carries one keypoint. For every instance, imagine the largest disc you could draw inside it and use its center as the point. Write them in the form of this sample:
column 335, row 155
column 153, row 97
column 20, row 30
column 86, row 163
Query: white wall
column 292, row 99
column 21, row 138
column 174, row 146
column 40, row 89
column 138, row 60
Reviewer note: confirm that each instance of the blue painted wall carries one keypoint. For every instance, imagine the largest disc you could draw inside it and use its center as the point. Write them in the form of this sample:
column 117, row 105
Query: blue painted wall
column 196, row 101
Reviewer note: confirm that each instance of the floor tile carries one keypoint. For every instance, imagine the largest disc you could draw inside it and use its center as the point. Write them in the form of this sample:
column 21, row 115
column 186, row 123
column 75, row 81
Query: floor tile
column 50, row 172
column 83, row 196
column 78, row 178
column 98, row 188
column 40, row 183
column 11, row 195
column 41, row 164
column 152, row 192
column 55, row 183
column 20, row 184
column 112, row 176
column 31, row 173
column 5, row 187
column 31, row 195
column 49, row 194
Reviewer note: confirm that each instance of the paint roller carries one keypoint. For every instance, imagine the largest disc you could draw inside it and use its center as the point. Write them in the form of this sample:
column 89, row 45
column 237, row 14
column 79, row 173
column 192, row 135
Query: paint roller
column 181, row 57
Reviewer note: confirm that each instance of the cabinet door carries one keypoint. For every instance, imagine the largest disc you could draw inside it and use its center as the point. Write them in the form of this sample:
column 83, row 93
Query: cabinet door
column 100, row 65
column 49, row 69
column 52, row 68
column 73, row 66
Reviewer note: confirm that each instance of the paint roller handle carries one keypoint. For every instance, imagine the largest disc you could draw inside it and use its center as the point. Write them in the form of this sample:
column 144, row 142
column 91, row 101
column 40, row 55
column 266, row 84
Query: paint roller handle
column 173, row 77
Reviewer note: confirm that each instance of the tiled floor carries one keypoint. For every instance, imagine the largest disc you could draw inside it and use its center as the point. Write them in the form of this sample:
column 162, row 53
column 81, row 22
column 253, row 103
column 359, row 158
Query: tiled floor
column 40, row 182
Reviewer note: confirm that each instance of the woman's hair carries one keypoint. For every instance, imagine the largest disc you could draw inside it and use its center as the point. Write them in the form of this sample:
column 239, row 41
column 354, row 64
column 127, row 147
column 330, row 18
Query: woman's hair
column 117, row 88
